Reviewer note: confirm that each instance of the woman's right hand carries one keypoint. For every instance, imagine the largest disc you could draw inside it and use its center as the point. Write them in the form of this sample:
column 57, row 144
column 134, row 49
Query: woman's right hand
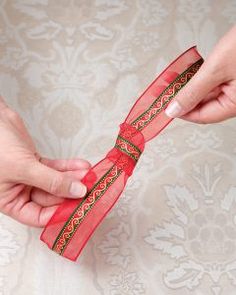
column 210, row 96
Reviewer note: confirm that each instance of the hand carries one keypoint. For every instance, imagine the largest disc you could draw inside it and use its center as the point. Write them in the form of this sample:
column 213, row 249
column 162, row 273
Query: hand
column 210, row 96
column 31, row 189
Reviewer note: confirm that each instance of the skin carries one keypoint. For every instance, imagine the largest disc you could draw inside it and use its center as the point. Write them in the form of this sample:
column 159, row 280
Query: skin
column 210, row 96
column 31, row 188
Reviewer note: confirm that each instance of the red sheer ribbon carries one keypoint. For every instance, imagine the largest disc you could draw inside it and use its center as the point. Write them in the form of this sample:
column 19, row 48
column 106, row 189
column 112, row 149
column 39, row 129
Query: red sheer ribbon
column 74, row 221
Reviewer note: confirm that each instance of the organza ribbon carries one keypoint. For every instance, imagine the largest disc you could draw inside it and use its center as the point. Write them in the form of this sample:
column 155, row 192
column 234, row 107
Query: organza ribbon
column 74, row 221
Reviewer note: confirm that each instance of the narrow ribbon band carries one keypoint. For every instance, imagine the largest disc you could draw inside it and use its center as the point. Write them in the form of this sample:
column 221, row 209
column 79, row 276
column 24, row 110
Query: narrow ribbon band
column 128, row 148
column 74, row 221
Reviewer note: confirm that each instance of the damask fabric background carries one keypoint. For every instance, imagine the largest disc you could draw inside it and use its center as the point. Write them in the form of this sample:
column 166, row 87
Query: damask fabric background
column 73, row 69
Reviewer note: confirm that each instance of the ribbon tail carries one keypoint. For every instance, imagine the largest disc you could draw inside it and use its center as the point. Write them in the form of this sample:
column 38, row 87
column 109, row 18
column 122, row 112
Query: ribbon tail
column 61, row 233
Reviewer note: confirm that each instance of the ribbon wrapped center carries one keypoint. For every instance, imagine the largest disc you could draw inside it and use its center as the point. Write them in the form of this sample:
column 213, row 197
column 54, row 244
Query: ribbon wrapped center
column 128, row 148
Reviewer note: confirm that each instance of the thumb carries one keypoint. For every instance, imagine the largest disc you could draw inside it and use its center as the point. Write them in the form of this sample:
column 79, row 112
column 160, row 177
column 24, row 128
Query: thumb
column 203, row 82
column 52, row 181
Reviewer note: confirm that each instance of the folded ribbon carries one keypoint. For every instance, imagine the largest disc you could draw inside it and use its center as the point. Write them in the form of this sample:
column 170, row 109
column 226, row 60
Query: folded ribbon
column 74, row 221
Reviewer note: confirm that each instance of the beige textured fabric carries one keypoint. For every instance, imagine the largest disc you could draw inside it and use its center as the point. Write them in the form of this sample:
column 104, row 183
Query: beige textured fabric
column 72, row 69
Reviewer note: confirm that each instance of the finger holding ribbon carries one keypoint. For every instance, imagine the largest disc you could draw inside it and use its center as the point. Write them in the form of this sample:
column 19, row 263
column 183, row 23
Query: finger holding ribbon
column 32, row 187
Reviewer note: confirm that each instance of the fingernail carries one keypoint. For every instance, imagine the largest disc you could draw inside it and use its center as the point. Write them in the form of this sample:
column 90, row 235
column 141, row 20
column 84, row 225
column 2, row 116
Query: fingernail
column 82, row 173
column 173, row 110
column 78, row 189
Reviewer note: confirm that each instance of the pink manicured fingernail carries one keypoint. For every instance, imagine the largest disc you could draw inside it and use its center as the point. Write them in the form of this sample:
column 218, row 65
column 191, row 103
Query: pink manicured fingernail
column 173, row 110
column 78, row 189
column 83, row 172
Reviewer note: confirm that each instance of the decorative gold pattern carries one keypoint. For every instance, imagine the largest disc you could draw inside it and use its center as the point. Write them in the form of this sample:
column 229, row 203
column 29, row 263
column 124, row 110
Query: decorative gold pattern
column 129, row 149
column 93, row 56
column 84, row 208
column 166, row 96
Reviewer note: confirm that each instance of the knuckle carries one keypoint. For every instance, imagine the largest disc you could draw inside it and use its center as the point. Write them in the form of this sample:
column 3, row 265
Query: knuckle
column 23, row 171
column 187, row 99
column 213, row 65
column 56, row 185
column 63, row 165
column 216, row 69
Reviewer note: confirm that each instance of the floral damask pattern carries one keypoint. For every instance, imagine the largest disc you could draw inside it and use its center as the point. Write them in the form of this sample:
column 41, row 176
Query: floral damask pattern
column 73, row 69
column 126, row 284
